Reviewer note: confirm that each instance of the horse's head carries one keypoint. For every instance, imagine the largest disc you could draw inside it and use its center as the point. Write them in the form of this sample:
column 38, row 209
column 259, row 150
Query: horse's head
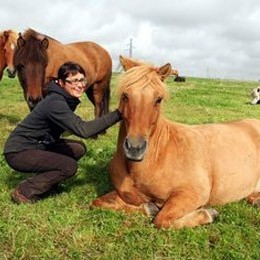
column 141, row 90
column 30, row 60
column 9, row 48
column 8, row 40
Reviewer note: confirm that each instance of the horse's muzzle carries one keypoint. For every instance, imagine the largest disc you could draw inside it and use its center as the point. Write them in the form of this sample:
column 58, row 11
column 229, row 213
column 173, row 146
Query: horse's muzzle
column 33, row 102
column 11, row 73
column 135, row 148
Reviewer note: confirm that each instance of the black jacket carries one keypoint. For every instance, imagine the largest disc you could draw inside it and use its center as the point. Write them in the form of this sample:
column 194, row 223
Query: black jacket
column 50, row 118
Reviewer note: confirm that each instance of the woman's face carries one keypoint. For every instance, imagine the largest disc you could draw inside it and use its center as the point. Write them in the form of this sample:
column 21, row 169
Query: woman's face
column 75, row 85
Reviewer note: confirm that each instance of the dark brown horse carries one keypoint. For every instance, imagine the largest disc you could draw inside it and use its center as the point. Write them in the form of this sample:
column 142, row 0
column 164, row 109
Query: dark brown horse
column 174, row 171
column 38, row 58
column 8, row 40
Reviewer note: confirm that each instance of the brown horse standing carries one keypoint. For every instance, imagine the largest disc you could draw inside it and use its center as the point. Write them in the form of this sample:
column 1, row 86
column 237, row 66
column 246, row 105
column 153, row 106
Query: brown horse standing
column 175, row 171
column 38, row 58
column 8, row 40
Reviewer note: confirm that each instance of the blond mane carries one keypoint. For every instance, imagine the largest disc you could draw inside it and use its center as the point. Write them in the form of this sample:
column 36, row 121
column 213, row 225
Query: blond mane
column 12, row 35
column 141, row 76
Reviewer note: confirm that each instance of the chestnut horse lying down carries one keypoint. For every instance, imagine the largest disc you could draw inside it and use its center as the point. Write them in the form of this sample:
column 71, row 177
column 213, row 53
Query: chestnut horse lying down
column 174, row 171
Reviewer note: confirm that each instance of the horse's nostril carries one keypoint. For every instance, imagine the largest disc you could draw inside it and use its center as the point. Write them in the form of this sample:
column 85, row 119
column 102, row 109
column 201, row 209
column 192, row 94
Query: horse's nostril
column 11, row 73
column 32, row 102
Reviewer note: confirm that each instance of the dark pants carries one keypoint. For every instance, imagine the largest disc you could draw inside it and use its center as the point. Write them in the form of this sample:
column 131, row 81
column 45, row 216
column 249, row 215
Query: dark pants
column 51, row 166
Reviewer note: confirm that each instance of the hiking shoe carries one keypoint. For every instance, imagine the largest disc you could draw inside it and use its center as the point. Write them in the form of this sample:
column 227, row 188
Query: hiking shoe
column 20, row 198
column 51, row 192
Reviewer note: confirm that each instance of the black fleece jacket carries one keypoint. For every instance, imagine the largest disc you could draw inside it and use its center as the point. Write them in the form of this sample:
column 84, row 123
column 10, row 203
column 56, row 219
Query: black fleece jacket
column 50, row 118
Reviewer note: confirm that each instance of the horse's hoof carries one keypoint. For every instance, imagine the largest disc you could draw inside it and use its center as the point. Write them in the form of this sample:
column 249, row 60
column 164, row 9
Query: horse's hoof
column 256, row 203
column 96, row 203
column 213, row 213
column 150, row 209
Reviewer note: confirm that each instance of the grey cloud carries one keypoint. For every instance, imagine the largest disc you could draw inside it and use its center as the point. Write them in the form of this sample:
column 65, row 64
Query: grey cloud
column 217, row 38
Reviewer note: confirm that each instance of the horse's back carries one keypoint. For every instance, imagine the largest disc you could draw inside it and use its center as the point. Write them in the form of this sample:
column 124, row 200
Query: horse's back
column 94, row 59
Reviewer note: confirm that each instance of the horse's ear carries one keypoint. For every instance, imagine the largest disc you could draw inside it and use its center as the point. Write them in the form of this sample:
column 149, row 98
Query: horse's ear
column 165, row 71
column 20, row 41
column 6, row 34
column 45, row 43
column 128, row 63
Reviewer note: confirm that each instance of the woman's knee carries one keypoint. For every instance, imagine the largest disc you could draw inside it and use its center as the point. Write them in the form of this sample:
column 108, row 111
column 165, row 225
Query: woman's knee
column 75, row 148
column 81, row 150
column 70, row 169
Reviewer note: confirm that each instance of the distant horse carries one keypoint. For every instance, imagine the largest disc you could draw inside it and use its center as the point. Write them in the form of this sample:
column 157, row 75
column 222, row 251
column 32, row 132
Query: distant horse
column 38, row 58
column 180, row 79
column 255, row 96
column 177, row 78
column 175, row 72
column 176, row 171
column 8, row 40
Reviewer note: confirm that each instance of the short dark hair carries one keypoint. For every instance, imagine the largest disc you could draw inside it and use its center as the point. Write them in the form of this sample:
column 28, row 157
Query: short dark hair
column 69, row 68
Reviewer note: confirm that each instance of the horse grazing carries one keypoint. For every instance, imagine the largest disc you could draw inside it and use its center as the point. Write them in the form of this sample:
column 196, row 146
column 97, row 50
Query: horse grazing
column 38, row 58
column 177, row 172
column 8, row 40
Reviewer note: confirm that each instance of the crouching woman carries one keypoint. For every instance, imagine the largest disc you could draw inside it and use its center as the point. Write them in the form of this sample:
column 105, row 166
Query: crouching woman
column 36, row 146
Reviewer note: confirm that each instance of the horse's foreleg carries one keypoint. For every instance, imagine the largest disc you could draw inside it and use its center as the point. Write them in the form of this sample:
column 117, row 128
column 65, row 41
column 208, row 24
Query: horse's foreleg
column 254, row 199
column 99, row 95
column 123, row 182
column 113, row 201
column 182, row 210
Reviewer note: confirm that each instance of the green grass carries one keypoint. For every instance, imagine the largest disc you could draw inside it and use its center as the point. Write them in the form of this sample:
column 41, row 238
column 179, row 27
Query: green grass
column 63, row 227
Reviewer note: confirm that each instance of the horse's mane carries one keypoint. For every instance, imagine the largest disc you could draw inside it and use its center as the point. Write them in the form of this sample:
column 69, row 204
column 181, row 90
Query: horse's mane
column 32, row 50
column 30, row 33
column 141, row 76
column 12, row 35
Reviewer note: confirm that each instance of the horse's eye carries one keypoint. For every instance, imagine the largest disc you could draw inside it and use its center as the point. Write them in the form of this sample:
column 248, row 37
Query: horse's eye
column 124, row 97
column 158, row 100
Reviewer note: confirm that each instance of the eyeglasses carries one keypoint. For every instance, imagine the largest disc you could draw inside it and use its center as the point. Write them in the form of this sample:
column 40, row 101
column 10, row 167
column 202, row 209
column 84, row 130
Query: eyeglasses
column 75, row 82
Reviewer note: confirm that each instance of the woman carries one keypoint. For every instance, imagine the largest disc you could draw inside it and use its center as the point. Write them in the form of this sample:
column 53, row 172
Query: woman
column 35, row 145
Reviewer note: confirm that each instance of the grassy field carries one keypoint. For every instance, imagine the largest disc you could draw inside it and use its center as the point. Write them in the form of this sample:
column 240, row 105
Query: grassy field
column 63, row 227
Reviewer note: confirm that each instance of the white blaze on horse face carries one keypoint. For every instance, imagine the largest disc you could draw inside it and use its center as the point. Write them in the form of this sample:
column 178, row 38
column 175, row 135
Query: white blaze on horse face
column 12, row 46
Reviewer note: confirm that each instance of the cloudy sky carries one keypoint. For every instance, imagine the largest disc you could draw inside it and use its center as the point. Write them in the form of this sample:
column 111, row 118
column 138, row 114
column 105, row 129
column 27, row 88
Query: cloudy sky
column 203, row 38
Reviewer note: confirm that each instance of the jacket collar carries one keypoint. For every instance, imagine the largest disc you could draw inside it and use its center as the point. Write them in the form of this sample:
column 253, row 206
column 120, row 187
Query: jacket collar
column 55, row 88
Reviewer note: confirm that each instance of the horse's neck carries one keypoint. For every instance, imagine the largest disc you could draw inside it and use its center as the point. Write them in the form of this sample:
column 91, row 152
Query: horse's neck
column 160, row 137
